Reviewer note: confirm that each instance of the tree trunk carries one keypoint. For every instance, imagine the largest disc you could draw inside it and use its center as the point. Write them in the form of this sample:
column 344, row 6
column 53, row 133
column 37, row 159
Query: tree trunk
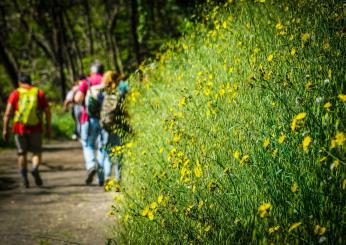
column 89, row 26
column 134, row 24
column 9, row 63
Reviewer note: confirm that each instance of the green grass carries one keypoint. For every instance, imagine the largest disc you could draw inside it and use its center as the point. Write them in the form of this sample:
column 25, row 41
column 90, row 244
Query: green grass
column 217, row 156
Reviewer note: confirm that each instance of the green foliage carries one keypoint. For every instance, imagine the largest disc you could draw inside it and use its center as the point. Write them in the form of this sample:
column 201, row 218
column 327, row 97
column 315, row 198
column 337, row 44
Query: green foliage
column 62, row 123
column 240, row 131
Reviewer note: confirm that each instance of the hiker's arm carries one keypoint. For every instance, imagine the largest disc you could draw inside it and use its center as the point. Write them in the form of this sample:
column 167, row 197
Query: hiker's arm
column 7, row 117
column 48, row 121
column 79, row 97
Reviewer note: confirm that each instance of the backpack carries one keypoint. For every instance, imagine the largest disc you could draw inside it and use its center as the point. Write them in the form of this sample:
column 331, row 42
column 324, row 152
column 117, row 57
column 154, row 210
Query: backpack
column 92, row 101
column 28, row 112
column 113, row 113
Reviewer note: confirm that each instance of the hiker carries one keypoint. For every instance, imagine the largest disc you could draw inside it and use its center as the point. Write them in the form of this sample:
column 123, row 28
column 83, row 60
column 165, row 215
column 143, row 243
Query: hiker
column 76, row 109
column 90, row 126
column 111, row 120
column 27, row 103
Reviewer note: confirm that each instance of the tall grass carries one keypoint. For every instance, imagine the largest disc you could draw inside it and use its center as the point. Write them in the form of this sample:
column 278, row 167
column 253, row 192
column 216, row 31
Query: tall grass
column 240, row 130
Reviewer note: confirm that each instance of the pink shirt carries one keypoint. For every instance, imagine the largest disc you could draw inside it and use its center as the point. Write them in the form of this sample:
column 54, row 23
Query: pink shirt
column 94, row 79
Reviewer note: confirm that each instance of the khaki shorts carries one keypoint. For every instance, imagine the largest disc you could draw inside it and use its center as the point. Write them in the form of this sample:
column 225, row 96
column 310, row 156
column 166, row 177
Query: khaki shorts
column 28, row 142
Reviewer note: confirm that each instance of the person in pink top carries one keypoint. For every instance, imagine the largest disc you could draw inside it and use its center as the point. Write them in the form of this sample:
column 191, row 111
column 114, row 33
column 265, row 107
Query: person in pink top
column 90, row 126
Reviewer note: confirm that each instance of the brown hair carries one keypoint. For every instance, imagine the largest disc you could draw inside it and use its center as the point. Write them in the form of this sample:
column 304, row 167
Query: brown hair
column 111, row 79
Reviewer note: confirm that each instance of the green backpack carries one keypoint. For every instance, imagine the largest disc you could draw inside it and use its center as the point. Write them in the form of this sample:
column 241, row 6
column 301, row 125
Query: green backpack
column 111, row 116
column 28, row 112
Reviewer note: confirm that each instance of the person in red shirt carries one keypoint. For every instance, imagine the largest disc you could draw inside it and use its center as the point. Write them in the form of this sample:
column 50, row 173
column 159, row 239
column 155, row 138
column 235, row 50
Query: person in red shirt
column 26, row 104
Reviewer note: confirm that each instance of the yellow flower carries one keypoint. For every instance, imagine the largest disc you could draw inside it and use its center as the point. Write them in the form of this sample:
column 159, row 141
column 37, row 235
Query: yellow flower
column 339, row 138
column 294, row 226
column 263, row 209
column 306, row 142
column 160, row 199
column 161, row 150
column 200, row 204
column 319, row 230
column 236, row 154
column 342, row 97
column 145, row 211
column 150, row 215
column 282, row 138
column 182, row 101
column 293, row 51
column 244, row 159
column 153, row 206
column 308, row 85
column 328, row 105
column 296, row 119
column 266, row 143
column 279, row 26
column 294, row 187
column 335, row 164
column 270, row 57
column 212, row 185
column 273, row 229
column 305, row 37
column 198, row 169
column 207, row 228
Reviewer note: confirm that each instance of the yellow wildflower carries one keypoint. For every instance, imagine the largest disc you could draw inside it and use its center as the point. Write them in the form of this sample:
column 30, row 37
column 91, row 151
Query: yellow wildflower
column 342, row 97
column 150, row 215
column 244, row 159
column 153, row 205
column 198, row 169
column 282, row 138
column 236, row 154
column 212, row 185
column 294, row 226
column 266, row 143
column 305, row 37
column 145, row 211
column 293, row 51
column 340, row 138
column 306, row 142
column 270, row 57
column 294, row 187
column 263, row 209
column 308, row 85
column 200, row 204
column 335, row 164
column 207, row 228
column 319, row 230
column 273, row 229
column 296, row 119
column 279, row 26
column 182, row 101
column 160, row 199
column 328, row 105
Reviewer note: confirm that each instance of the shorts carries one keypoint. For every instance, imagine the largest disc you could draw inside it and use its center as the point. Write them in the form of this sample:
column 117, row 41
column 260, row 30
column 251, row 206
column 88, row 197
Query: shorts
column 28, row 142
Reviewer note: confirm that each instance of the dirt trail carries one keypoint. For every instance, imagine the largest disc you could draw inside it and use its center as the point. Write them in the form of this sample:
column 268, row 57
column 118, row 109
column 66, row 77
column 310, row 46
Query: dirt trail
column 63, row 211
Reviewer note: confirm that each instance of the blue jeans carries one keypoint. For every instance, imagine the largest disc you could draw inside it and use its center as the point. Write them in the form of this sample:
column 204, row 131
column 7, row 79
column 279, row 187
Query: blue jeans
column 107, row 141
column 90, row 131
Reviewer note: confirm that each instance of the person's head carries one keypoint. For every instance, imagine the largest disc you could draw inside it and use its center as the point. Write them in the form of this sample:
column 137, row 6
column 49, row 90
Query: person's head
column 96, row 67
column 112, row 79
column 25, row 79
column 81, row 77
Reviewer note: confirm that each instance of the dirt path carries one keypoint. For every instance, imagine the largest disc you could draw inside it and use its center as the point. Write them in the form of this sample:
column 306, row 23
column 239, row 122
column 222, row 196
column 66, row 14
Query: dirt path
column 63, row 211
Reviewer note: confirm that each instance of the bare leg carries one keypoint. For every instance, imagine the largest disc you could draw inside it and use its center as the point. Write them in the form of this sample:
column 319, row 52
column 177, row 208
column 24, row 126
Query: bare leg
column 36, row 161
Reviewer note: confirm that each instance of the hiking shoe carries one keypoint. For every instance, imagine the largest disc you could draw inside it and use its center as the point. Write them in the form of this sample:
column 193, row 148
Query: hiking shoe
column 26, row 183
column 37, row 177
column 90, row 176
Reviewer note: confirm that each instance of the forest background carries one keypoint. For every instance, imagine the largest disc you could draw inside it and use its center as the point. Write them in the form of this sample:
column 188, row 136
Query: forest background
column 55, row 41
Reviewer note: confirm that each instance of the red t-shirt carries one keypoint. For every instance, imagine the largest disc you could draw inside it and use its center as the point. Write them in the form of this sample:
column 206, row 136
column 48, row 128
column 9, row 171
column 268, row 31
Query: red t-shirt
column 94, row 79
column 19, row 128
